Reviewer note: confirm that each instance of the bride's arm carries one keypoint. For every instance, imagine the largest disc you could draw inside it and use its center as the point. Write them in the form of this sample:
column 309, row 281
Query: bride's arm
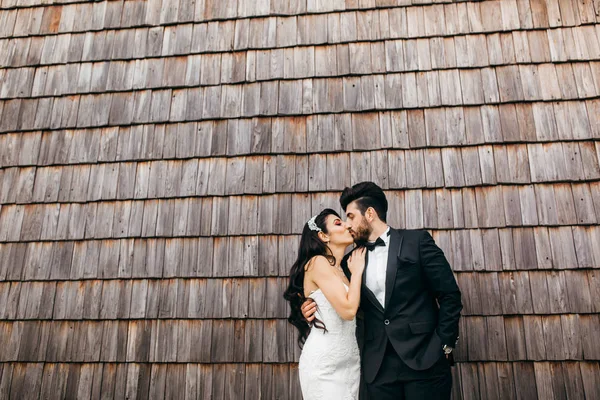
column 344, row 302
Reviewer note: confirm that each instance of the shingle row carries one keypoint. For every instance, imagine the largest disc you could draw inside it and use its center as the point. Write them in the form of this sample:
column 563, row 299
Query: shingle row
column 420, row 19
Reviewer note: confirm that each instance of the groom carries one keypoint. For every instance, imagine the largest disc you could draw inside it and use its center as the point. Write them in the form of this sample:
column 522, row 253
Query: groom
column 410, row 303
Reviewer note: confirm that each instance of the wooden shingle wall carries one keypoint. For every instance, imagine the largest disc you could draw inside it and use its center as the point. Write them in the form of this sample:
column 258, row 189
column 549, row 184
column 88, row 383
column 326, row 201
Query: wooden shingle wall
column 158, row 162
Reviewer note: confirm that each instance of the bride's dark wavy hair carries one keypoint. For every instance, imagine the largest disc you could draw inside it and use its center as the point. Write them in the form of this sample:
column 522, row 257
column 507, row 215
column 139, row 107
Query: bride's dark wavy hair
column 310, row 246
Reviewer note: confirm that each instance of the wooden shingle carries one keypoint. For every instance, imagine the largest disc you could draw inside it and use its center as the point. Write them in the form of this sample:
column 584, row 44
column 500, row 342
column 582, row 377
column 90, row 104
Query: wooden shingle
column 508, row 48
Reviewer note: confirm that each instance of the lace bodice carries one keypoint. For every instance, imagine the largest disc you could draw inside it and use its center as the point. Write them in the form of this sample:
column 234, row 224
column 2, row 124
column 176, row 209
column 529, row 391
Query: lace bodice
column 330, row 362
column 335, row 324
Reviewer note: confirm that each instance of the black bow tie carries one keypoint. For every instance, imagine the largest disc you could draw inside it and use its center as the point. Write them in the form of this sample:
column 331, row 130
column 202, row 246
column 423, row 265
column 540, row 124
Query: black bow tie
column 371, row 246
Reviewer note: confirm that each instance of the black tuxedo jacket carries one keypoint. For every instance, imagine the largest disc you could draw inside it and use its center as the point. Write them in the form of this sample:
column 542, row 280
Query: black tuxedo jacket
column 422, row 305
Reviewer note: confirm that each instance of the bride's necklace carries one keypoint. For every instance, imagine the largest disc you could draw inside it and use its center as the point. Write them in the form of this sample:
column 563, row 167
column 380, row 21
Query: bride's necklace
column 340, row 272
column 338, row 269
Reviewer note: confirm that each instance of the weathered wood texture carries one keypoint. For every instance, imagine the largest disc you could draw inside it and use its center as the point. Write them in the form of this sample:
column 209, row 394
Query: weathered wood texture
column 159, row 158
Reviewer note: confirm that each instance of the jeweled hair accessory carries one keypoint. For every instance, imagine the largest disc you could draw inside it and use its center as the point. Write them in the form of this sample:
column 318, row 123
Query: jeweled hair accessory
column 313, row 225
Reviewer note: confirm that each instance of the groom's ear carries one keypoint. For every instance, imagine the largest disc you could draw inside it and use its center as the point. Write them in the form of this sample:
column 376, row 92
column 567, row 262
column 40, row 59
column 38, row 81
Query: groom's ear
column 370, row 214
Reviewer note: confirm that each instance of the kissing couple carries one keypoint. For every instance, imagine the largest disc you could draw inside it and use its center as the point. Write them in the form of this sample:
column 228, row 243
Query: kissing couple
column 393, row 296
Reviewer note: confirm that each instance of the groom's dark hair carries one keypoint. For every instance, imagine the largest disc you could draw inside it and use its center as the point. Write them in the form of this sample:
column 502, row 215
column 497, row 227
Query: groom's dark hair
column 366, row 194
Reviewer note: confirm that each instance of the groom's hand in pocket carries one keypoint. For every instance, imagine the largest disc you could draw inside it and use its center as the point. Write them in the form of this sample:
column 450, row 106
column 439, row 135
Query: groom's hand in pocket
column 308, row 310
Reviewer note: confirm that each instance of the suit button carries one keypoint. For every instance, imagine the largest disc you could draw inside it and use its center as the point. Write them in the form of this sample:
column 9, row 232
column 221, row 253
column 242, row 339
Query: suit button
column 387, row 322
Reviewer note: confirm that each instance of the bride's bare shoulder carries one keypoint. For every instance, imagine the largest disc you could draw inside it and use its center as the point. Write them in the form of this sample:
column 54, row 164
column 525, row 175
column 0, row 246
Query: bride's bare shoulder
column 317, row 264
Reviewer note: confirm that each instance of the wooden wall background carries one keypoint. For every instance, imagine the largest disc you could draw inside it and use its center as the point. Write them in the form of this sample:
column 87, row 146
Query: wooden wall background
column 158, row 160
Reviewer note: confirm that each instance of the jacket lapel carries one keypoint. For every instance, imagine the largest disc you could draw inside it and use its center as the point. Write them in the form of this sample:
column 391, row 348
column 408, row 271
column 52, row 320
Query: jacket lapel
column 366, row 291
column 392, row 263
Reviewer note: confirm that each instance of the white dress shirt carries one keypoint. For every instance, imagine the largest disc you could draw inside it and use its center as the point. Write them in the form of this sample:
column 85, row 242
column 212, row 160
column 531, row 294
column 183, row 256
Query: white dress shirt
column 376, row 268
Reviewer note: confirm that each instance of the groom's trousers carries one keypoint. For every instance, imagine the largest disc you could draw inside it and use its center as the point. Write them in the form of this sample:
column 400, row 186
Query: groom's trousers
column 395, row 380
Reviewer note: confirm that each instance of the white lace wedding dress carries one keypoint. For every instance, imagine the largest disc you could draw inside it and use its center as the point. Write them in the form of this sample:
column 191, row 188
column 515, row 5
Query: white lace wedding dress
column 329, row 364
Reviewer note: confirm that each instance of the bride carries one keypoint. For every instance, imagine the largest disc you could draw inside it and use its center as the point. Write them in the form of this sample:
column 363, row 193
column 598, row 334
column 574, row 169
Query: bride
column 329, row 364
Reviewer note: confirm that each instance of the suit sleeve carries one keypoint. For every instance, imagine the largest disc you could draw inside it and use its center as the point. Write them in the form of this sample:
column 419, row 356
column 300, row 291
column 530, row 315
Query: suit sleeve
column 442, row 285
column 360, row 323
column 344, row 265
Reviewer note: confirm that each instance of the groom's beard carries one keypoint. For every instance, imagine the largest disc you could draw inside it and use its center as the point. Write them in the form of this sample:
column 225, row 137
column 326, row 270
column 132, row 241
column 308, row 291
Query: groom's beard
column 362, row 233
